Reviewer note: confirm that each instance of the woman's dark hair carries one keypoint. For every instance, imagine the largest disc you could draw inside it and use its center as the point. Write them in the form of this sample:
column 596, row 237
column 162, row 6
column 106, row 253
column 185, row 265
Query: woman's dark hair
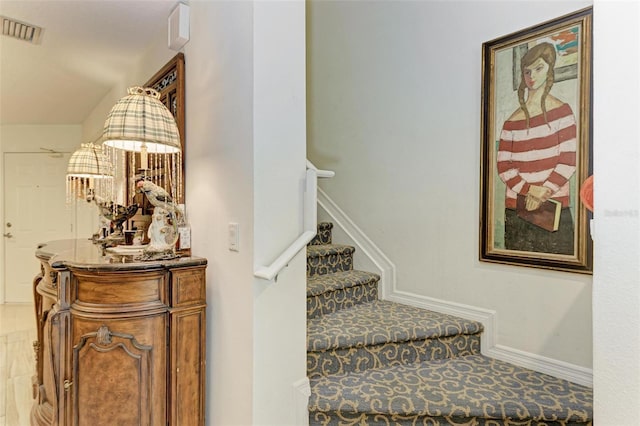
column 547, row 52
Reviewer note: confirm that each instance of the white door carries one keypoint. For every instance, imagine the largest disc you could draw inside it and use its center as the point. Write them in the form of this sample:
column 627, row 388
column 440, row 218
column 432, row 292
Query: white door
column 35, row 212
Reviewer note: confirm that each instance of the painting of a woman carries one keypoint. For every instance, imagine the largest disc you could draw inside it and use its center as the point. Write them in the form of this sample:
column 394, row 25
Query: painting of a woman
column 536, row 145
column 537, row 157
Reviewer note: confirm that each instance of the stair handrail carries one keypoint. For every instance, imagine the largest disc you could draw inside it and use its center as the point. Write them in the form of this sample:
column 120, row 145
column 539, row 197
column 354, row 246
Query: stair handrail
column 320, row 173
column 310, row 221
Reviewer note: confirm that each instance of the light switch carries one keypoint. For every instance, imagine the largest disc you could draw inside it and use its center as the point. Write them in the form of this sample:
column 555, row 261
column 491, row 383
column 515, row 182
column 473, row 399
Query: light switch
column 234, row 237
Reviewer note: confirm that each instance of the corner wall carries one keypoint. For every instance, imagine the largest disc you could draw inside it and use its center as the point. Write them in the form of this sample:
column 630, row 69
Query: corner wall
column 219, row 190
column 616, row 278
column 394, row 109
column 279, row 134
column 246, row 157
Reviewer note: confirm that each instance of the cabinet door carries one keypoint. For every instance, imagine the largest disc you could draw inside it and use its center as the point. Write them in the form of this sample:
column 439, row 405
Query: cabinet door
column 119, row 371
column 51, row 401
column 187, row 367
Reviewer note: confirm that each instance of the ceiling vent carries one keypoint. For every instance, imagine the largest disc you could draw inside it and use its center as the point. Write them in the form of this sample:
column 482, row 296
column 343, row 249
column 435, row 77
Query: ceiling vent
column 21, row 30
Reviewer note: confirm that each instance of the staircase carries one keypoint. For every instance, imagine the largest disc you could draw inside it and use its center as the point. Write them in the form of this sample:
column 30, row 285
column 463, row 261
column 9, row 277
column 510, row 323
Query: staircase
column 375, row 362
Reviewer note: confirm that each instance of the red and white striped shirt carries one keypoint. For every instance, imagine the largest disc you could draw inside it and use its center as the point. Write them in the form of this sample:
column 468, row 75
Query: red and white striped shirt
column 543, row 154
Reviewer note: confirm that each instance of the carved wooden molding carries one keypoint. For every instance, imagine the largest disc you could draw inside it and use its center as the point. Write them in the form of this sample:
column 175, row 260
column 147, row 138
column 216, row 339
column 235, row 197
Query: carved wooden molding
column 106, row 357
column 169, row 81
column 103, row 336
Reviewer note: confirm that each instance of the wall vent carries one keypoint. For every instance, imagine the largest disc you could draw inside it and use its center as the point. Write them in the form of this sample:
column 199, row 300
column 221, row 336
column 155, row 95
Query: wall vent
column 21, row 30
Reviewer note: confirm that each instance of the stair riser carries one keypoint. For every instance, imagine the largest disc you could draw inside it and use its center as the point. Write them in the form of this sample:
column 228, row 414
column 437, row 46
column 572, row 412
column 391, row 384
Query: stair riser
column 356, row 419
column 330, row 263
column 322, row 237
column 359, row 359
column 333, row 301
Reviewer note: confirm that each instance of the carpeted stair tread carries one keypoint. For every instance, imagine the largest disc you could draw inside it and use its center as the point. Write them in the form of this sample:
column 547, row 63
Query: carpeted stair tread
column 319, row 284
column 380, row 322
column 323, row 235
column 464, row 390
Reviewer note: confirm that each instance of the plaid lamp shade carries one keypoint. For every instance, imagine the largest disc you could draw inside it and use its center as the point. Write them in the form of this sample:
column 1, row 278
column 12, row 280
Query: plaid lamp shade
column 89, row 161
column 140, row 119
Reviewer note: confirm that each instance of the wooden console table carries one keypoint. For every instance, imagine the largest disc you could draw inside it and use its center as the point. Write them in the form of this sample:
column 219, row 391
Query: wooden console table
column 119, row 342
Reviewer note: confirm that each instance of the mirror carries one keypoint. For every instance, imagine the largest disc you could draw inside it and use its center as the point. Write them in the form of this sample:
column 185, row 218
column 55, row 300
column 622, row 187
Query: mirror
column 169, row 81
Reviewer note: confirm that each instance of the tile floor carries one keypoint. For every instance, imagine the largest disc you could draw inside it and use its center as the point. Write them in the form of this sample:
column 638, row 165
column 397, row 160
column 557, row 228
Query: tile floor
column 17, row 363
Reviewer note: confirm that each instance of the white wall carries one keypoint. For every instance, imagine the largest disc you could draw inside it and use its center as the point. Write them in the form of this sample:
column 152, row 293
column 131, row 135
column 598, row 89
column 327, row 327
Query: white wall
column 30, row 138
column 149, row 62
column 616, row 279
column 245, row 157
column 394, row 108
column 219, row 190
column 279, row 134
column 220, row 177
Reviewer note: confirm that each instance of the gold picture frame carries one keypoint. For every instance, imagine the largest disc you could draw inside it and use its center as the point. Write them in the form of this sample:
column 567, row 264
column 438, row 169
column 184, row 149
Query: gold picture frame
column 536, row 145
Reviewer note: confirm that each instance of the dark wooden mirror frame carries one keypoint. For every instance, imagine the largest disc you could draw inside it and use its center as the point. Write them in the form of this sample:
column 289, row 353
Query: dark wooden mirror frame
column 169, row 81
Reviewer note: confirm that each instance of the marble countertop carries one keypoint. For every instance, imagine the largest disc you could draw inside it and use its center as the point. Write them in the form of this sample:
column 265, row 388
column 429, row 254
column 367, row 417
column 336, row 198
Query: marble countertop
column 84, row 254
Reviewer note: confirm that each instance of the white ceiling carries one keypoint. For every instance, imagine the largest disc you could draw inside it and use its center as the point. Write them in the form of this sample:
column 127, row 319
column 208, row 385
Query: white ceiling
column 85, row 46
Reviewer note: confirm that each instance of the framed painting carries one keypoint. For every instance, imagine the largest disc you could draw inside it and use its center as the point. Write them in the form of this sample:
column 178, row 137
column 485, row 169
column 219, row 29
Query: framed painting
column 536, row 145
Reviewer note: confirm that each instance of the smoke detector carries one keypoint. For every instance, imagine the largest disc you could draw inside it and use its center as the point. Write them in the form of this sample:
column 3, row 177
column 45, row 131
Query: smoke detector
column 21, row 30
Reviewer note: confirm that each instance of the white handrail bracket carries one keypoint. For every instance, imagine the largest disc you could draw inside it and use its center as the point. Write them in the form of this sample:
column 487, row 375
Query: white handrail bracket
column 310, row 220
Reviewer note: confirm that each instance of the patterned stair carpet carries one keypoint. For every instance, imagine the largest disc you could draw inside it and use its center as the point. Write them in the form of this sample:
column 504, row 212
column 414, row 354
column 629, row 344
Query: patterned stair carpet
column 466, row 390
column 375, row 362
column 382, row 333
column 339, row 290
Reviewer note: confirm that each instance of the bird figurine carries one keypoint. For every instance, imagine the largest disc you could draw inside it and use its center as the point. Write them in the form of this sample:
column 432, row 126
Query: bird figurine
column 159, row 197
column 163, row 230
column 116, row 213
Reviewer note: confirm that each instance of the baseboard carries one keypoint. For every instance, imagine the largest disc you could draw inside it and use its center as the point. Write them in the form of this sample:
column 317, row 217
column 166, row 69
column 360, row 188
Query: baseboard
column 301, row 394
column 488, row 318
column 563, row 370
column 489, row 347
column 364, row 245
